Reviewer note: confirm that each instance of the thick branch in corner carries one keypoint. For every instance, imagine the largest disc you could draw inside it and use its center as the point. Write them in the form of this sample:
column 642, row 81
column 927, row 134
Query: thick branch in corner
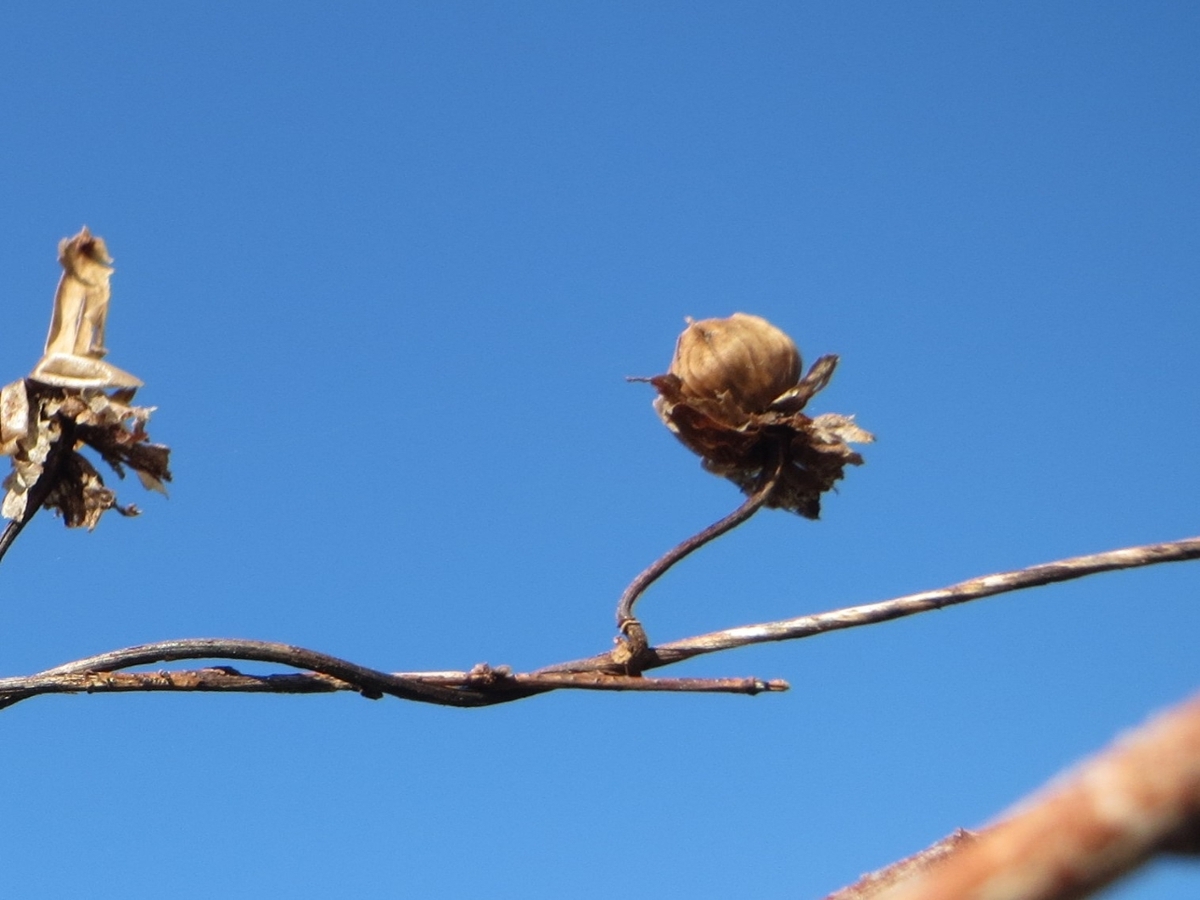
column 1139, row 797
column 872, row 885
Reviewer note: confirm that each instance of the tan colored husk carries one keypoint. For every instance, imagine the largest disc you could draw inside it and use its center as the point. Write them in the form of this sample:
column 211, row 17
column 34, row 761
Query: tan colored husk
column 743, row 356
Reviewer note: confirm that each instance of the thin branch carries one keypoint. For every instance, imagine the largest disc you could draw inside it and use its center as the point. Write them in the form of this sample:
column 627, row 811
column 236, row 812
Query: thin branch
column 908, row 605
column 659, row 567
column 1137, row 798
column 370, row 682
column 492, row 688
column 482, row 686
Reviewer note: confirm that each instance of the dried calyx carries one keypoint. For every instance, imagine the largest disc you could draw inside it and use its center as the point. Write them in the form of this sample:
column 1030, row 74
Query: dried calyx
column 74, row 398
column 734, row 396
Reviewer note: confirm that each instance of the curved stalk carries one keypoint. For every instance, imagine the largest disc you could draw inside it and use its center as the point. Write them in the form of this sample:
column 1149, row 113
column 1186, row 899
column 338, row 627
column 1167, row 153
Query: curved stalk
column 626, row 622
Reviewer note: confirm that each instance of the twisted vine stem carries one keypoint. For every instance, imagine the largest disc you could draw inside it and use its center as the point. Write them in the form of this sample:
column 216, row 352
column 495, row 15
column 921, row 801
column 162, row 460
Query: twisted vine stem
column 486, row 686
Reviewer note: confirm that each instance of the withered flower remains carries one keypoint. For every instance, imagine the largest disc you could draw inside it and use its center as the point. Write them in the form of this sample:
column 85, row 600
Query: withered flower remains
column 734, row 396
column 74, row 398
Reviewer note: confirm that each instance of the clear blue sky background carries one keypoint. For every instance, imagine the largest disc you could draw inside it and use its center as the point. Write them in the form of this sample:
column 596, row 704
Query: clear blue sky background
column 384, row 268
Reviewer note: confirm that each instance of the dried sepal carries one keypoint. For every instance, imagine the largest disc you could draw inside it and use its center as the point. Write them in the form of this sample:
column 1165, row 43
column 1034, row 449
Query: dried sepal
column 75, row 349
column 114, row 429
column 29, row 450
column 80, row 495
column 815, row 381
column 720, row 410
column 67, row 371
column 14, row 415
column 81, row 301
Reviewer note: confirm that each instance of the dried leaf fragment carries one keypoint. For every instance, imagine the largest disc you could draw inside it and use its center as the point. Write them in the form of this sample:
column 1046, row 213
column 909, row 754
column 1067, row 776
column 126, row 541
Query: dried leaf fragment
column 66, row 370
column 734, row 397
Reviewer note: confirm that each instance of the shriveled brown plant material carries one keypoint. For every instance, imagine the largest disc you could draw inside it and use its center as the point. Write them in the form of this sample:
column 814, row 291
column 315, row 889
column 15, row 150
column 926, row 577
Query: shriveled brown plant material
column 75, row 399
column 734, row 396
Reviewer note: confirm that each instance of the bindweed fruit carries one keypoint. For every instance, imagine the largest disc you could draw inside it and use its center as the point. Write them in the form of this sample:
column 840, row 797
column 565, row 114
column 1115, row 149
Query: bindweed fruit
column 734, row 396
column 744, row 357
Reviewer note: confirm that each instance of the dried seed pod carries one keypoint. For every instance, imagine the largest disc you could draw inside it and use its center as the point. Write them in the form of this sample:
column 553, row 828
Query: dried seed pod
column 75, row 399
column 743, row 357
column 735, row 397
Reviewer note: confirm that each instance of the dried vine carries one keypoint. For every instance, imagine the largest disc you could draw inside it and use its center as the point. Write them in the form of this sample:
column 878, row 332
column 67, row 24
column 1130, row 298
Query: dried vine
column 487, row 686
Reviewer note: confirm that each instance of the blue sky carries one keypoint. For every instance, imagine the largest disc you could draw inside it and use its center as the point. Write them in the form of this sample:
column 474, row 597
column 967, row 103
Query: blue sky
column 384, row 268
